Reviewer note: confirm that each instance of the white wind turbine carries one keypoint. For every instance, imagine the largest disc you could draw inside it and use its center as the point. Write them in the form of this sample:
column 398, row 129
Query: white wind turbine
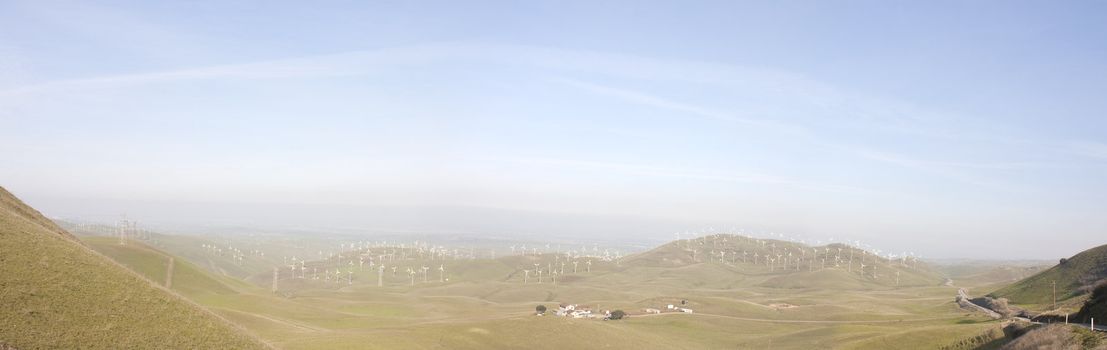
column 380, row 276
column 441, row 273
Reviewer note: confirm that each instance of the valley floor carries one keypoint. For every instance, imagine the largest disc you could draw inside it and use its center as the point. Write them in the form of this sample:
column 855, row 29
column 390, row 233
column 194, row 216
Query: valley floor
column 475, row 310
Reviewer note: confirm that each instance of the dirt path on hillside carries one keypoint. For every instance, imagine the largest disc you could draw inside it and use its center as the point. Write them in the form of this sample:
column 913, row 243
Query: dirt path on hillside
column 296, row 325
column 798, row 321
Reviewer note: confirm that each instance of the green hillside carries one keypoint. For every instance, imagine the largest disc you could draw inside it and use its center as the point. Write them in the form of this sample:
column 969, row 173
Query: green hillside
column 57, row 293
column 1074, row 278
column 726, row 261
column 188, row 279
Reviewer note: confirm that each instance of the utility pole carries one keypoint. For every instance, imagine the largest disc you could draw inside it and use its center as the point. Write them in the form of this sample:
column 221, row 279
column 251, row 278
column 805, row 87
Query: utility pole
column 169, row 274
column 1054, row 294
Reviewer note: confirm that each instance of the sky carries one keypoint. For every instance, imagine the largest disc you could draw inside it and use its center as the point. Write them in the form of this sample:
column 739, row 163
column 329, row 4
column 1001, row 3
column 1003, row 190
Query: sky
column 947, row 129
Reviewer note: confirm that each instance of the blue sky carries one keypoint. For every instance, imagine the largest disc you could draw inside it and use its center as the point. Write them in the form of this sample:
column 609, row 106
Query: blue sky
column 909, row 126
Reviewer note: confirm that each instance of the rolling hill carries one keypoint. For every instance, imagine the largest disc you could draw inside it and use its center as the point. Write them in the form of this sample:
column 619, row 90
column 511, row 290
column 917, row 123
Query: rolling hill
column 731, row 260
column 187, row 279
column 1074, row 276
column 58, row 293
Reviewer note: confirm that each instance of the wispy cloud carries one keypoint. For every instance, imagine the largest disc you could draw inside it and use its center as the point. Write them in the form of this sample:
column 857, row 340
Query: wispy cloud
column 663, row 103
column 949, row 170
column 843, row 107
column 684, row 173
column 1091, row 149
column 341, row 64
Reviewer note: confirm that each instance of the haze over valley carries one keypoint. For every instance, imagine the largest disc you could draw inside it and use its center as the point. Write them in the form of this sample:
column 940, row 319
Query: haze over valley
column 504, row 175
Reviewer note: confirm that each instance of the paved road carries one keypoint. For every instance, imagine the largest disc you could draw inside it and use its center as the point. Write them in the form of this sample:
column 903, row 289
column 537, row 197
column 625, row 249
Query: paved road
column 1098, row 328
column 963, row 300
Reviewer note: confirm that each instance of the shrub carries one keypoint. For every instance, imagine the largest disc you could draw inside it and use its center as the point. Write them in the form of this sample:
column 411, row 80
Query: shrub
column 617, row 314
column 1015, row 330
column 541, row 309
column 998, row 305
column 1096, row 305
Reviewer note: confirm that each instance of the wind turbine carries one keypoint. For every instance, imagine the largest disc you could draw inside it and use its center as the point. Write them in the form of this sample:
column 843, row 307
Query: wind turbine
column 380, row 276
column 441, row 273
column 425, row 268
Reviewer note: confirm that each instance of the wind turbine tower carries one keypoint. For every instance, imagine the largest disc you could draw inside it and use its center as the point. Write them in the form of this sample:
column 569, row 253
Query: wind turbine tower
column 380, row 276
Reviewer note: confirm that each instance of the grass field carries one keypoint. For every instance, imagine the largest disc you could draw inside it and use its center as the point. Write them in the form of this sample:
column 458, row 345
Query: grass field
column 483, row 303
column 1074, row 280
column 58, row 294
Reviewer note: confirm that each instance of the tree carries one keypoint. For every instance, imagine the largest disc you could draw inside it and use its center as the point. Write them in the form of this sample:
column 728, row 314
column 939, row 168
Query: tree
column 617, row 314
column 540, row 309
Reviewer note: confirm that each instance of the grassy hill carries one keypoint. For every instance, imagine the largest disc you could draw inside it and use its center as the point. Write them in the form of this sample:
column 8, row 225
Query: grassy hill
column 188, row 279
column 989, row 275
column 1074, row 278
column 726, row 261
column 57, row 293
